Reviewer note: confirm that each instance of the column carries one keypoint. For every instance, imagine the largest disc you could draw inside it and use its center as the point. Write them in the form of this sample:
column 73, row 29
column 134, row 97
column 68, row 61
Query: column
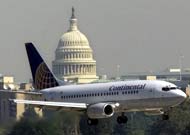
column 80, row 69
column 63, row 69
column 84, row 72
column 90, row 69
column 93, row 69
column 77, row 69
column 86, row 69
column 74, row 69
column 68, row 72
column 71, row 70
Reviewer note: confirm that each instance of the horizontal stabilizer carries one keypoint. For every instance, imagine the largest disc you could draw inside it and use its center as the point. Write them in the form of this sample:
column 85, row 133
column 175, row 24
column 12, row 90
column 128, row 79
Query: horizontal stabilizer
column 21, row 92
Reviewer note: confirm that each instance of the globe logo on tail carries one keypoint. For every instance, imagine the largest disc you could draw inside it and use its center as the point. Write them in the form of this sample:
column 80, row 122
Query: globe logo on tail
column 44, row 78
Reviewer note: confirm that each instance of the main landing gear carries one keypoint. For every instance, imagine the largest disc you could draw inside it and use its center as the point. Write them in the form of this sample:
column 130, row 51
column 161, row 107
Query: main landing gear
column 92, row 121
column 122, row 119
column 165, row 116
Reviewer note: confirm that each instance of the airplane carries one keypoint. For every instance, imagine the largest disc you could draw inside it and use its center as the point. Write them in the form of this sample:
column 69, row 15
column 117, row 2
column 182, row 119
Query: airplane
column 100, row 100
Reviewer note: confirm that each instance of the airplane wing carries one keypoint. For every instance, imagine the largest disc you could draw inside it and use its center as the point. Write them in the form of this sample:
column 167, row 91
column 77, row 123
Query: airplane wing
column 55, row 105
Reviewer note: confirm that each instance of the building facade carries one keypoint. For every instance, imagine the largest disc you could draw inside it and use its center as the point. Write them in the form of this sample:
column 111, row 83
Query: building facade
column 180, row 78
column 74, row 56
column 8, row 109
column 12, row 111
column 7, row 82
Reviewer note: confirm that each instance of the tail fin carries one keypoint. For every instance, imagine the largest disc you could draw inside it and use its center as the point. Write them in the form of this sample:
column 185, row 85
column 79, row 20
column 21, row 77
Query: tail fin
column 42, row 76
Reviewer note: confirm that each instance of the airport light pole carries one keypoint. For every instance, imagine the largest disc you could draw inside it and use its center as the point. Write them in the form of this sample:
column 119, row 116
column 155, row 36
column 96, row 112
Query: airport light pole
column 180, row 66
column 118, row 68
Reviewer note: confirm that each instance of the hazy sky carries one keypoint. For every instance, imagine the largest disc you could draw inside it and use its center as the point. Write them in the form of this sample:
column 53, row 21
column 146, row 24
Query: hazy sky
column 138, row 35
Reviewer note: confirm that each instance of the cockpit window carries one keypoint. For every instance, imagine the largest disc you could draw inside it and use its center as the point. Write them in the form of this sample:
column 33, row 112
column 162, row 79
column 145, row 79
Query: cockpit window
column 168, row 88
column 173, row 88
column 165, row 89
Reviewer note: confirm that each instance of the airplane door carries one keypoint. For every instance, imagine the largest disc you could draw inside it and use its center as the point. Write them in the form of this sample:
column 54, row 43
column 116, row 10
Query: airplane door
column 149, row 93
column 146, row 95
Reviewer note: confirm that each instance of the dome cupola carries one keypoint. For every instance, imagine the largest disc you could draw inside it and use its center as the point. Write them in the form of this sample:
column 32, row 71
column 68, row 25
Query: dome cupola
column 73, row 56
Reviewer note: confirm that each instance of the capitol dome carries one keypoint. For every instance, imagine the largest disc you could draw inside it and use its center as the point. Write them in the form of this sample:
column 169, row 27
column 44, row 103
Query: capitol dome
column 73, row 38
column 73, row 56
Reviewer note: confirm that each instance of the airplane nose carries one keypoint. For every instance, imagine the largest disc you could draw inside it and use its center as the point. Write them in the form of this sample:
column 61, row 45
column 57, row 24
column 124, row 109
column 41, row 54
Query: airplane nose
column 182, row 95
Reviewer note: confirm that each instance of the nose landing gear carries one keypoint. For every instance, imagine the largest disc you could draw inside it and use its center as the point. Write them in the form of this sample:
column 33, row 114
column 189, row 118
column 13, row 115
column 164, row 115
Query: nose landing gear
column 122, row 119
column 92, row 121
column 165, row 117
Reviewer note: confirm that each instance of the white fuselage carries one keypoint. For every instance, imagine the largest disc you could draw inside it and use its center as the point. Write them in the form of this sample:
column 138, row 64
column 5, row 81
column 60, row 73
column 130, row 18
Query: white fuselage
column 138, row 95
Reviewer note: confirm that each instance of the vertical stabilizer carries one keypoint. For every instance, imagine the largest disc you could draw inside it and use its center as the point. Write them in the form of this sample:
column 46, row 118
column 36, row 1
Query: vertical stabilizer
column 42, row 76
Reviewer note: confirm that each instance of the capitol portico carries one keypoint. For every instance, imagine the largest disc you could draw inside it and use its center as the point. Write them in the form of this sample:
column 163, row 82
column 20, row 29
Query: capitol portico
column 74, row 57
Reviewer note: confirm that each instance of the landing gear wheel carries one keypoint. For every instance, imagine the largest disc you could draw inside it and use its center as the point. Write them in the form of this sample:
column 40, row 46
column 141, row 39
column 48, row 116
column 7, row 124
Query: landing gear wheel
column 165, row 117
column 92, row 121
column 122, row 119
column 119, row 120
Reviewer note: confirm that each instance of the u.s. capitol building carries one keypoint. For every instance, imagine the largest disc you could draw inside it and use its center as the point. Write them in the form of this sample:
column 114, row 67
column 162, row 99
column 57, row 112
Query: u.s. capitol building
column 74, row 56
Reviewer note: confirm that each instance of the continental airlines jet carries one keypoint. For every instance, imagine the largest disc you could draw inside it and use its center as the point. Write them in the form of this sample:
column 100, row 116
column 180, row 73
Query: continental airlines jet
column 100, row 100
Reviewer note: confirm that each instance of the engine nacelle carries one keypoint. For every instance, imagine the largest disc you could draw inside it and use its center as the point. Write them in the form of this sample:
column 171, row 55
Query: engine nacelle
column 100, row 110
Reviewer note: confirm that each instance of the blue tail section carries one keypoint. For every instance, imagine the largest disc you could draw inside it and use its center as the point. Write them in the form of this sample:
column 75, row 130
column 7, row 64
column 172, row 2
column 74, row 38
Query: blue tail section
column 42, row 76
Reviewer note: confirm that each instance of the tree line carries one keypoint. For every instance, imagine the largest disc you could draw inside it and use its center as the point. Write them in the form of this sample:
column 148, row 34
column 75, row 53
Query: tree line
column 70, row 123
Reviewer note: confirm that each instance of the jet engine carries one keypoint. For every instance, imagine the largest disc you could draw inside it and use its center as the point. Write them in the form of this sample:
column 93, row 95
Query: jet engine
column 100, row 110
